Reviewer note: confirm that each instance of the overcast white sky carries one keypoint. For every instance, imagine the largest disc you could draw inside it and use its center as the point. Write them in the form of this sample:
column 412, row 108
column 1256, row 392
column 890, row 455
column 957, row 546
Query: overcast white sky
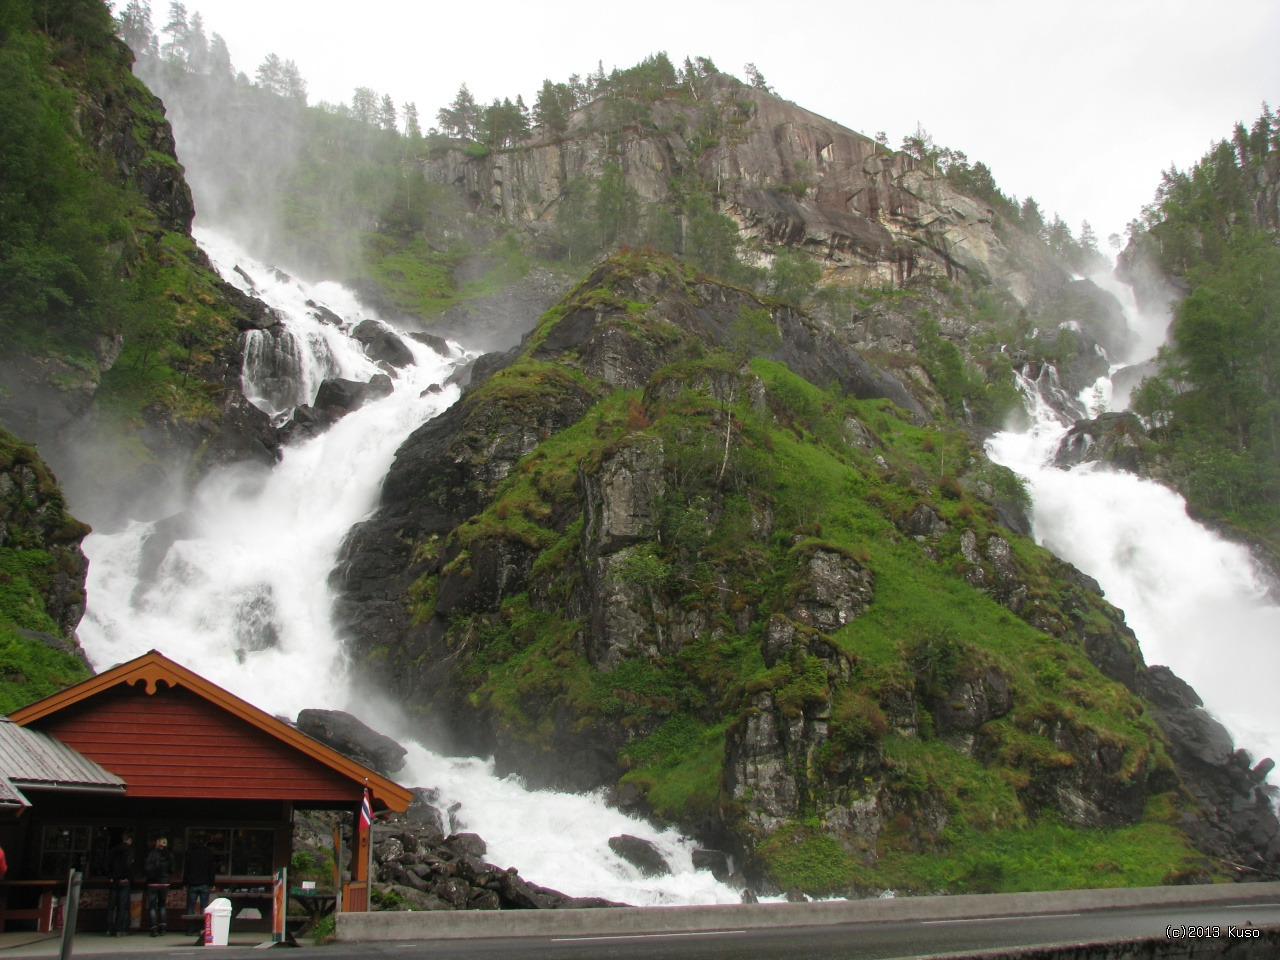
column 1079, row 104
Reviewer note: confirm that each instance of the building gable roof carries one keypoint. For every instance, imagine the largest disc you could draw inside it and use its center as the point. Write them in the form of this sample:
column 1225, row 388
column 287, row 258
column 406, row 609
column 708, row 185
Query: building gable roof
column 153, row 669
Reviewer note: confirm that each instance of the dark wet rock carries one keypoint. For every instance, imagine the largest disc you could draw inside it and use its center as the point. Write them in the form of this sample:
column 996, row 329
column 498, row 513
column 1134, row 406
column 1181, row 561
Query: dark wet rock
column 334, row 400
column 343, row 396
column 439, row 344
column 351, row 737
column 1116, row 439
column 1236, row 808
column 381, row 344
column 415, row 868
column 924, row 523
column 715, row 861
column 466, row 845
column 641, row 854
column 322, row 313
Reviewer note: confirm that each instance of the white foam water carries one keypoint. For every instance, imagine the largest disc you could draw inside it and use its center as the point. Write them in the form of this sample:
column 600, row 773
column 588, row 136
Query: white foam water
column 1197, row 603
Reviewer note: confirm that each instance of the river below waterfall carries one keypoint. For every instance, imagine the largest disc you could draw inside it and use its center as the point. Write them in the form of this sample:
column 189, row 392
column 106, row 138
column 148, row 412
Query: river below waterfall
column 236, row 587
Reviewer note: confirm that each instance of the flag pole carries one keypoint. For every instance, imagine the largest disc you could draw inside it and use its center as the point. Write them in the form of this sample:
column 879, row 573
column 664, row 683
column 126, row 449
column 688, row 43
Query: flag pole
column 366, row 811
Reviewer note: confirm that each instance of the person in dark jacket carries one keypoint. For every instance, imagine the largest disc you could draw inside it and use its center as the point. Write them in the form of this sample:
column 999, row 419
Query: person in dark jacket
column 158, row 871
column 119, row 873
column 198, row 873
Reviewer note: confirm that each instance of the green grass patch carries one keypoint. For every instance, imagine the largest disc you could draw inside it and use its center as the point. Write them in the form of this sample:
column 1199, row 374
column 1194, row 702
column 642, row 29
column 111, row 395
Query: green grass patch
column 31, row 670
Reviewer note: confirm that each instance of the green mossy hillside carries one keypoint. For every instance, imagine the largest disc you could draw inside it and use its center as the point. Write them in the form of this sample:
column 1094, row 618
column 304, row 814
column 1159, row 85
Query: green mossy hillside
column 104, row 297
column 655, row 579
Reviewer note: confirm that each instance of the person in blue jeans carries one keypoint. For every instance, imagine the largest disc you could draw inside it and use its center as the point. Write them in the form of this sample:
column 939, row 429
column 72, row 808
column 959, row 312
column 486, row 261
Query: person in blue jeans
column 198, row 873
column 119, row 873
column 158, row 871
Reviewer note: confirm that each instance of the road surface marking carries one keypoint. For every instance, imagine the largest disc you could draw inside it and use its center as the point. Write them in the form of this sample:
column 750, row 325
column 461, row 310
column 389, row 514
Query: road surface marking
column 645, row 936
column 1025, row 916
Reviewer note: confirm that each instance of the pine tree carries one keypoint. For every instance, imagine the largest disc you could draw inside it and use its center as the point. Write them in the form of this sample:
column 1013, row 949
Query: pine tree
column 270, row 75
column 292, row 86
column 364, row 105
column 756, row 78
column 220, row 58
column 197, row 44
column 412, row 130
column 551, row 109
column 175, row 48
column 387, row 113
column 461, row 117
column 134, row 24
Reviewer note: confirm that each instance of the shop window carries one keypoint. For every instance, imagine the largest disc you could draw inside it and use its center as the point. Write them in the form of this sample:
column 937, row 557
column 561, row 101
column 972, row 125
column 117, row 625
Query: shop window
column 251, row 852
column 63, row 849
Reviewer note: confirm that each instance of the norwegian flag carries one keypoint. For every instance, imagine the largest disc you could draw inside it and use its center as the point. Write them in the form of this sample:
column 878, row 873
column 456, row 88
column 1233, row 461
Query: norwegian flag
column 366, row 811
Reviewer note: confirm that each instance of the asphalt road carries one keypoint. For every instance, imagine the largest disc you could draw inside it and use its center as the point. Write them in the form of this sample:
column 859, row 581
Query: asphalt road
column 850, row 941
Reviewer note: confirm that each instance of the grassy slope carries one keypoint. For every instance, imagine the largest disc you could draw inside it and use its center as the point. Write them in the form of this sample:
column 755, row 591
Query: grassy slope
column 795, row 458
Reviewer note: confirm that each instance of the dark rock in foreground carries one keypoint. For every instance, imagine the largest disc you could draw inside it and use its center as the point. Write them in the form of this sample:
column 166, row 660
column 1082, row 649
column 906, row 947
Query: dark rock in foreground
column 349, row 736
column 417, row 868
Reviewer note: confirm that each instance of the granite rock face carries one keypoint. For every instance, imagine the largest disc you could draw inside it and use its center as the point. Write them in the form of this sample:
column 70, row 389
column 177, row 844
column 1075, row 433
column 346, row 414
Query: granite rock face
column 789, row 176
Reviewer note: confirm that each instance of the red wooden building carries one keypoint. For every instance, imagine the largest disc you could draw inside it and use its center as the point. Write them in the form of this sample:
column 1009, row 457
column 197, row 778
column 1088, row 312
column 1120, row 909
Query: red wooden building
column 198, row 764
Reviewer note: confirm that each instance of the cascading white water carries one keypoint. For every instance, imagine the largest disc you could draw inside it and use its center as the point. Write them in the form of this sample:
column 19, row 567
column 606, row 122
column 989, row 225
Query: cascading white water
column 236, row 587
column 1196, row 602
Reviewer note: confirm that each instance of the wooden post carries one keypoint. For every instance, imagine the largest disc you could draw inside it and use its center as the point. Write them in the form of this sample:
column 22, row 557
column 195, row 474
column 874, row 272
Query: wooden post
column 337, row 869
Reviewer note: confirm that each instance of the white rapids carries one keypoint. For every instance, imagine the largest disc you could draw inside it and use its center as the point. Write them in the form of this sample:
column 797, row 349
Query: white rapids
column 1197, row 603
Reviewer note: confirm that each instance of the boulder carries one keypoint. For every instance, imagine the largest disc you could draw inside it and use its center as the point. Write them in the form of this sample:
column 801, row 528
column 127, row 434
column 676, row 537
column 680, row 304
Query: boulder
column 351, row 737
column 381, row 345
column 716, row 861
column 1116, row 439
column 439, row 344
column 641, row 854
column 343, row 396
column 334, row 400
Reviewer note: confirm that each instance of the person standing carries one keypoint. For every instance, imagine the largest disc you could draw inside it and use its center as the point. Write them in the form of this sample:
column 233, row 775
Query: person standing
column 119, row 873
column 198, row 873
column 158, row 870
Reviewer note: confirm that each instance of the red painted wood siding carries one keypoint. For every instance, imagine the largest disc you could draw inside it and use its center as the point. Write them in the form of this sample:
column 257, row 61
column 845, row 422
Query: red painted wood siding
column 174, row 743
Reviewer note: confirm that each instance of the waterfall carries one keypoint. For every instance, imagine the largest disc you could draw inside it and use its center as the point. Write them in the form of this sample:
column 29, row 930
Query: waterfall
column 236, row 585
column 1197, row 603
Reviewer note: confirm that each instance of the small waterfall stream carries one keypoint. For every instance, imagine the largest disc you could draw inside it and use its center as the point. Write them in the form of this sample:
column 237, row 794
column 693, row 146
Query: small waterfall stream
column 236, row 586
column 1197, row 603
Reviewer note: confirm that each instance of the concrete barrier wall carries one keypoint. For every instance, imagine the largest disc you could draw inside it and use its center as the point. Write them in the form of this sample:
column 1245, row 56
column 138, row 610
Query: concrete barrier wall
column 461, row 924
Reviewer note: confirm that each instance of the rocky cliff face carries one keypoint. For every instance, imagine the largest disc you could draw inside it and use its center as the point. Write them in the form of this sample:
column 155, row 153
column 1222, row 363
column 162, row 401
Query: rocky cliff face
column 788, row 176
column 793, row 181
column 42, row 572
column 631, row 558
column 35, row 521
